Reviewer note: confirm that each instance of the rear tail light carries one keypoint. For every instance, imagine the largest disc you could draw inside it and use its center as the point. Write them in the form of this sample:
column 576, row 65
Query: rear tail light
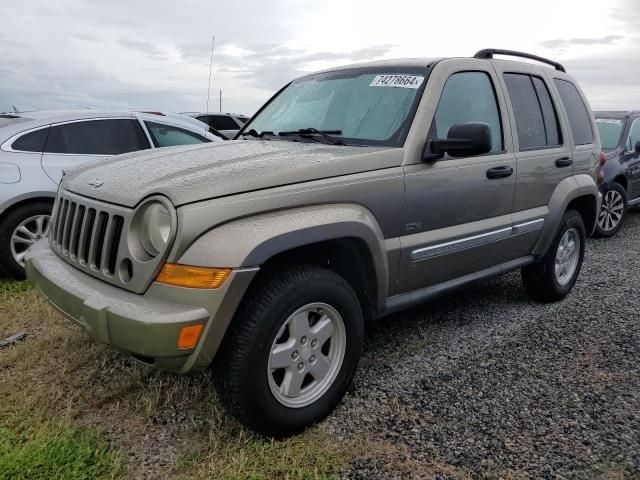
column 603, row 160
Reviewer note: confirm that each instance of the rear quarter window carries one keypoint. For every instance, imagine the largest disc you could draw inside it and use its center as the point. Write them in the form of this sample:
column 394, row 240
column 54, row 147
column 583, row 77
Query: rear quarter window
column 577, row 112
column 32, row 141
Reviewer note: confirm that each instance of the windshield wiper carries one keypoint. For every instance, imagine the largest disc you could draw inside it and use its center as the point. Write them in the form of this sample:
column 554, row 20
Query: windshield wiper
column 254, row 133
column 326, row 134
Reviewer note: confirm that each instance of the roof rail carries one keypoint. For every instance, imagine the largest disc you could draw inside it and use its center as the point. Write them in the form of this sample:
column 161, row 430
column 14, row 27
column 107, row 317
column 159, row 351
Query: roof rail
column 488, row 54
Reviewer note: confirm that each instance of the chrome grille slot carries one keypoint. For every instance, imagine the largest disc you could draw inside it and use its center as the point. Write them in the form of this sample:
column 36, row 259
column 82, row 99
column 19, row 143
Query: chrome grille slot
column 85, row 236
column 71, row 211
column 97, row 242
column 64, row 204
column 113, row 241
column 75, row 231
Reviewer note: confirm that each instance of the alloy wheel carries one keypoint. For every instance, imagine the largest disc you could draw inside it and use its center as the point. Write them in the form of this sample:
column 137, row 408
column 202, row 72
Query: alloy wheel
column 611, row 211
column 306, row 355
column 26, row 234
column 567, row 256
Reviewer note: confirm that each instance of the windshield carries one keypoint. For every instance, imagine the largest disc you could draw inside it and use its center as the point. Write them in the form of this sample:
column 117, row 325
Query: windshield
column 610, row 131
column 363, row 106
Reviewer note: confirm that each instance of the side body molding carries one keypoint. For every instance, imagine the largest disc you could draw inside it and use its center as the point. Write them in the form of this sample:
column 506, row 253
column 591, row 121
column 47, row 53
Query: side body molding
column 567, row 190
column 251, row 241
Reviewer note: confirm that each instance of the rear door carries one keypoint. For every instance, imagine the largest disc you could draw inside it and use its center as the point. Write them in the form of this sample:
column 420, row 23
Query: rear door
column 542, row 145
column 582, row 128
column 74, row 143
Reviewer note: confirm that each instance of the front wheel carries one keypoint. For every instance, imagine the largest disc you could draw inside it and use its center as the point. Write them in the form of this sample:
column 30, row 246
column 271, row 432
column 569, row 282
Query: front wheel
column 613, row 211
column 19, row 230
column 291, row 351
column 554, row 276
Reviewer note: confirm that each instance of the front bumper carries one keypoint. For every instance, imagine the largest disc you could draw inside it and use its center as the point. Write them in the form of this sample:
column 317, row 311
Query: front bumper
column 146, row 326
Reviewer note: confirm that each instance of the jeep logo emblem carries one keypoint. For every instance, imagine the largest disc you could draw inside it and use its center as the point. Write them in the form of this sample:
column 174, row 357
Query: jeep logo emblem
column 97, row 183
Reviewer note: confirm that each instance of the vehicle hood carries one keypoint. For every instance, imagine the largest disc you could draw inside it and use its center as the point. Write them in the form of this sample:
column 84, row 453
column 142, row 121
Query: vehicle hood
column 194, row 173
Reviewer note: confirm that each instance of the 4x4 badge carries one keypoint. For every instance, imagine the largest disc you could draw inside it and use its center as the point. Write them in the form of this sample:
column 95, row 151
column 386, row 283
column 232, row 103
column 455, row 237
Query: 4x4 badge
column 97, row 183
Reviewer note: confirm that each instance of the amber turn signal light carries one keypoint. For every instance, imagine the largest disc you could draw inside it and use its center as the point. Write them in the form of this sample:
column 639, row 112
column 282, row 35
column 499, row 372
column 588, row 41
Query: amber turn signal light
column 192, row 277
column 189, row 336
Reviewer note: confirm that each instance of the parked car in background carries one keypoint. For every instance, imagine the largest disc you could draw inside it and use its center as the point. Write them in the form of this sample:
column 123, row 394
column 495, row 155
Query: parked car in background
column 227, row 124
column 35, row 148
column 353, row 193
column 620, row 186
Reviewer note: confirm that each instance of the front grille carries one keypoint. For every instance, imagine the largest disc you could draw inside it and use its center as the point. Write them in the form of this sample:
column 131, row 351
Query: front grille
column 94, row 237
column 87, row 233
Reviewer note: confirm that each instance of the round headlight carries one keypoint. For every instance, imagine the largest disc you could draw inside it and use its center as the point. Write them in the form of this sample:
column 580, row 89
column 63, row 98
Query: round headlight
column 155, row 230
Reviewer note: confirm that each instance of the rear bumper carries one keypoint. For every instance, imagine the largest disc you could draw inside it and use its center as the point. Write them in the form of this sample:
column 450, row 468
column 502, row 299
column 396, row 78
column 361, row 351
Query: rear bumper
column 146, row 326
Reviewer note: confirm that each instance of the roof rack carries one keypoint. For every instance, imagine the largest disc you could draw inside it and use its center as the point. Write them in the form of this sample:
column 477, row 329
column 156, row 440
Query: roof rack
column 488, row 54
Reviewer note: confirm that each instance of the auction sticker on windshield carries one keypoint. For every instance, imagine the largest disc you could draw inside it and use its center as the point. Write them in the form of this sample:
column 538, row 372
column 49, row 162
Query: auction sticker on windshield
column 401, row 81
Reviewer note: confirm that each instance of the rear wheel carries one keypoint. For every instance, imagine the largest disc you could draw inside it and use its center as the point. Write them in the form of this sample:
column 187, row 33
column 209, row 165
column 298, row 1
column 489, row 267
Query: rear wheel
column 291, row 351
column 613, row 211
column 19, row 230
column 554, row 276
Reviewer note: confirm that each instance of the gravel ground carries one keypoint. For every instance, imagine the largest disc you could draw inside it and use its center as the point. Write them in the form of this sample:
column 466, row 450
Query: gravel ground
column 486, row 383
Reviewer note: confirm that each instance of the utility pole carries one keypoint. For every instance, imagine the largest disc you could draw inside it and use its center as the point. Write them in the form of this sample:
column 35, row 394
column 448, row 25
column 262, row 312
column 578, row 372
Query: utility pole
column 213, row 41
column 220, row 100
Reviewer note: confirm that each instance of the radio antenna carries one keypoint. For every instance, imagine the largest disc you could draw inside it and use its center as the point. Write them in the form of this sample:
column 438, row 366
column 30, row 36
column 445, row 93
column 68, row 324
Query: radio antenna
column 213, row 40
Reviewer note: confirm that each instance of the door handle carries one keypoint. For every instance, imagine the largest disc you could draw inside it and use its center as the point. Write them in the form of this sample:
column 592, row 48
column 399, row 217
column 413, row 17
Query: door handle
column 564, row 162
column 499, row 172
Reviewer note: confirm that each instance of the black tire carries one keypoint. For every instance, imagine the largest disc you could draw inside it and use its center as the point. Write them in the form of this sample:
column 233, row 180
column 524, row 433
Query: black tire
column 601, row 224
column 8, row 225
column 240, row 369
column 540, row 280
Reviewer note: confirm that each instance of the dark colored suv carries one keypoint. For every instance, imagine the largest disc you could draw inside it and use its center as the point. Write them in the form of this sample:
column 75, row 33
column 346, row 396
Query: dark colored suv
column 620, row 187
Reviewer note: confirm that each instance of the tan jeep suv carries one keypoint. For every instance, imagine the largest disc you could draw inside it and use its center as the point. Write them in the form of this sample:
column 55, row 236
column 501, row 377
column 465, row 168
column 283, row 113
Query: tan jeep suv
column 352, row 194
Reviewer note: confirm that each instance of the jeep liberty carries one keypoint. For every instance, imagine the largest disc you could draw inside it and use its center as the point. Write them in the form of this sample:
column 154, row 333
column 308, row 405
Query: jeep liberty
column 353, row 193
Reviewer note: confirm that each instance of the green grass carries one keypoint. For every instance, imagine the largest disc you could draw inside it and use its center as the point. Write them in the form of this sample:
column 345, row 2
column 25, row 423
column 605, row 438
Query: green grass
column 33, row 448
column 241, row 455
column 12, row 287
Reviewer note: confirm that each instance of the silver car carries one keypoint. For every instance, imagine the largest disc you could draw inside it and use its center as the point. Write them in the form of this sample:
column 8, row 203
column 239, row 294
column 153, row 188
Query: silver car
column 35, row 148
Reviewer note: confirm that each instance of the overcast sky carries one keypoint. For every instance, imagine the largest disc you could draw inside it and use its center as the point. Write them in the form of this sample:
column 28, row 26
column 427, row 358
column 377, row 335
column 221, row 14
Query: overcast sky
column 155, row 54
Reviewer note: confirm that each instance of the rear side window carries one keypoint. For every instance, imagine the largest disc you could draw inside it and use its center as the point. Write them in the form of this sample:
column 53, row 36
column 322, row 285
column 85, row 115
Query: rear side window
column 97, row 137
column 242, row 120
column 468, row 97
column 31, row 142
column 536, row 118
column 168, row 135
column 576, row 111
column 222, row 122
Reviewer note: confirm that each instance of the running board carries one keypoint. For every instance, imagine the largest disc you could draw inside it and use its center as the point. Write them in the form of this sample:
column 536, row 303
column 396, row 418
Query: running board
column 406, row 300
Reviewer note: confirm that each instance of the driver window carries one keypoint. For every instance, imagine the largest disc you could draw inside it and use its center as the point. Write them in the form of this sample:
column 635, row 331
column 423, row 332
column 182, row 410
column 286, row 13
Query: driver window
column 468, row 97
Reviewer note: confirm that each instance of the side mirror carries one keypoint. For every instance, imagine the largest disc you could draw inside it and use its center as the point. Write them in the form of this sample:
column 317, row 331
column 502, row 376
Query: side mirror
column 463, row 140
column 636, row 148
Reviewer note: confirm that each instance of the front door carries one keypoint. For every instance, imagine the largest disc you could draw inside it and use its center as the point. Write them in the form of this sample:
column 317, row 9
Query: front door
column 459, row 208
